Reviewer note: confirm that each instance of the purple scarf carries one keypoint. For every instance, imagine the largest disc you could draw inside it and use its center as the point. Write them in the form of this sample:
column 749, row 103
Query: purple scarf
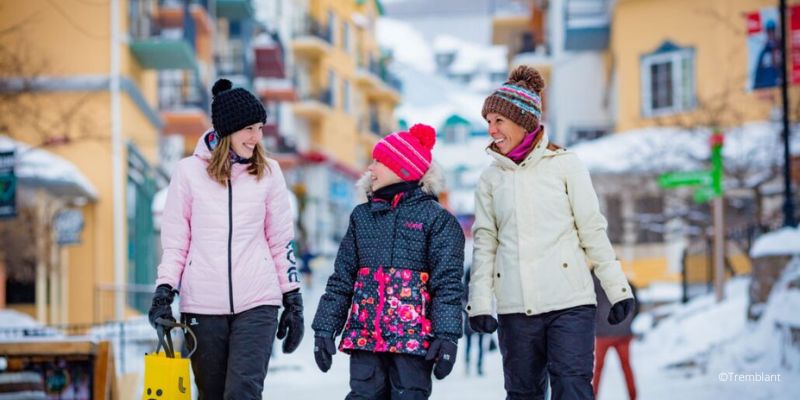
column 517, row 154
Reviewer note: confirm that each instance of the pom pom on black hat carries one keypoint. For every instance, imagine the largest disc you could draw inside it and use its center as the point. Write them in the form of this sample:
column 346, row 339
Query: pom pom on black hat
column 220, row 86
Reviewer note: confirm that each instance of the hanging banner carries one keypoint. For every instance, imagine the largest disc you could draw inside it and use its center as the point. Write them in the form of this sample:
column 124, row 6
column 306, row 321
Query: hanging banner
column 763, row 49
column 794, row 43
column 68, row 225
column 8, row 185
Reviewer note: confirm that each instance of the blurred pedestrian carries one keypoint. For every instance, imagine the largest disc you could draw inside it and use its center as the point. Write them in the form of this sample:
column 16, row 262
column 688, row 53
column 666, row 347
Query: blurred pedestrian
column 618, row 336
column 469, row 335
column 537, row 219
column 227, row 238
column 398, row 275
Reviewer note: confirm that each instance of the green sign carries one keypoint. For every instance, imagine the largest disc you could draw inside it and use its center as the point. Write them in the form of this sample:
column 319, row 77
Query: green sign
column 703, row 194
column 8, row 185
column 691, row 178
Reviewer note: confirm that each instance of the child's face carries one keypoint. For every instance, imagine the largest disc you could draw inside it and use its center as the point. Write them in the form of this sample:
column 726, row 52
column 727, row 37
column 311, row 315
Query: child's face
column 381, row 175
column 244, row 141
column 505, row 133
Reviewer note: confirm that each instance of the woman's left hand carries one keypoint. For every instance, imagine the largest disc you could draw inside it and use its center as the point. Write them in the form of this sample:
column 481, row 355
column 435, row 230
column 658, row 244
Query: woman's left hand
column 620, row 310
column 290, row 325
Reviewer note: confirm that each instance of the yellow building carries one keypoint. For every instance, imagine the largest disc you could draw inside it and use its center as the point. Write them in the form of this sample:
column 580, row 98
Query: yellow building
column 704, row 43
column 164, row 56
column 346, row 94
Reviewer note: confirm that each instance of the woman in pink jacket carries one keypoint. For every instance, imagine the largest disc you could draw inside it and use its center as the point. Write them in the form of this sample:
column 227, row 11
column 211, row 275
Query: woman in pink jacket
column 227, row 250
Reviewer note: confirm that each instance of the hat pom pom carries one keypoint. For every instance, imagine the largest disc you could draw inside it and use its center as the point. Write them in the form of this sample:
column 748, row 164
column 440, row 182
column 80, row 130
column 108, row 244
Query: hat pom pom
column 528, row 78
column 221, row 86
column 425, row 134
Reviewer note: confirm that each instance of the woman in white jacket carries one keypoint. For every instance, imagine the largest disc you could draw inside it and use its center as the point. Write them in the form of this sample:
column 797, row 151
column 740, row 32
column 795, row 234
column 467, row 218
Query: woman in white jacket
column 537, row 221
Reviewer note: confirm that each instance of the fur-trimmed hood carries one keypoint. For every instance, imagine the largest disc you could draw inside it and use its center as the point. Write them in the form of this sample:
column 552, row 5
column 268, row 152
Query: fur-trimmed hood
column 431, row 183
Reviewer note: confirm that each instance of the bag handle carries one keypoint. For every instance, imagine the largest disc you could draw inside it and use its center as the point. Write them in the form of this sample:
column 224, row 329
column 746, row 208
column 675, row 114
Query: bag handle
column 163, row 328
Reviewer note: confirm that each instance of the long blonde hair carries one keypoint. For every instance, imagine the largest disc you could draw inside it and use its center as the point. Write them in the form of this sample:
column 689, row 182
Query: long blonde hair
column 219, row 168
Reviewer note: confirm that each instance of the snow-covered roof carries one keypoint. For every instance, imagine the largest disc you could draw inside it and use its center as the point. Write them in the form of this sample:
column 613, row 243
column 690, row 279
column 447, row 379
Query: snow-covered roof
column 470, row 57
column 41, row 168
column 660, row 149
column 407, row 44
column 432, row 99
column 783, row 242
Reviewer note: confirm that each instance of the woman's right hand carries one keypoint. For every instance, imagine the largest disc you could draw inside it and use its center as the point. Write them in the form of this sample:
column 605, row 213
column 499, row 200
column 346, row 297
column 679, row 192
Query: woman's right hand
column 162, row 304
column 483, row 323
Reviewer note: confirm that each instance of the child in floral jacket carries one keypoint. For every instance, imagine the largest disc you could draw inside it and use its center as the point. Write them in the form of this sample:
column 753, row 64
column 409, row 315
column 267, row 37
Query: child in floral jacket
column 395, row 294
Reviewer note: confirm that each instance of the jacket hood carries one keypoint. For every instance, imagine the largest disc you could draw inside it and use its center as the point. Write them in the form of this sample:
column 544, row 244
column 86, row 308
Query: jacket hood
column 431, row 183
column 201, row 150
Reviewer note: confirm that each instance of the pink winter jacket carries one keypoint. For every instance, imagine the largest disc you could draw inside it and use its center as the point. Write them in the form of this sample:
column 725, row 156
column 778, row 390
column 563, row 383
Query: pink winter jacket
column 228, row 248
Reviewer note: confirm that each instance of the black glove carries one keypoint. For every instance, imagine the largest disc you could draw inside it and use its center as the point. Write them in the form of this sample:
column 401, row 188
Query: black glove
column 444, row 352
column 324, row 349
column 162, row 304
column 620, row 310
column 483, row 323
column 291, row 320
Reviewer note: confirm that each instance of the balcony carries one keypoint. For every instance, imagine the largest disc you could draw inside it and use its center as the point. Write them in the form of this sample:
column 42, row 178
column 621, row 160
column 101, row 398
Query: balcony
column 313, row 40
column 587, row 25
column 161, row 48
column 269, row 62
column 314, row 106
column 184, row 104
column 235, row 10
column 378, row 81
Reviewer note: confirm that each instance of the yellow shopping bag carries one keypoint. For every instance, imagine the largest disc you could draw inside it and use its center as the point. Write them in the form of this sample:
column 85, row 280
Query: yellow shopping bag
column 166, row 374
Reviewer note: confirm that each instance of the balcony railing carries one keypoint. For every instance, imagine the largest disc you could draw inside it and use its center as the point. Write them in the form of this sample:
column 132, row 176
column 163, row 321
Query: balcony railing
column 181, row 90
column 313, row 28
column 322, row 96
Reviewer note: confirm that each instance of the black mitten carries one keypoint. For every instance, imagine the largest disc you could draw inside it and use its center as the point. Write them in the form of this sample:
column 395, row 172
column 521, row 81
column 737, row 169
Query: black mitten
column 290, row 326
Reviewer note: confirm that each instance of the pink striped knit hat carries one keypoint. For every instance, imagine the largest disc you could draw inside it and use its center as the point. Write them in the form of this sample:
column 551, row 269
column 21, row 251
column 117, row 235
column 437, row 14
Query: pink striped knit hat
column 407, row 154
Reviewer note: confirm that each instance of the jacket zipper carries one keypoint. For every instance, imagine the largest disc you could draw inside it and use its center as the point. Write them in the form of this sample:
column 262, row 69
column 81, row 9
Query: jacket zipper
column 230, row 238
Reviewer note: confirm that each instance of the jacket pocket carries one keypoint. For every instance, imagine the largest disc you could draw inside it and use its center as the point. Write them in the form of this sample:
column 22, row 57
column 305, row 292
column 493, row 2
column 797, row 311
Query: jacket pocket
column 573, row 265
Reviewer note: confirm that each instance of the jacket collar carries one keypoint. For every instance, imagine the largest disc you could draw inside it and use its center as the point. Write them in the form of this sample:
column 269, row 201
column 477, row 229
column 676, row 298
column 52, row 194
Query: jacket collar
column 405, row 198
column 532, row 159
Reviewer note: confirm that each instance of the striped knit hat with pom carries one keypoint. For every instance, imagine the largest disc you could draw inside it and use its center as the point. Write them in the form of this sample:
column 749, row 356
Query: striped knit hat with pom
column 407, row 154
column 519, row 99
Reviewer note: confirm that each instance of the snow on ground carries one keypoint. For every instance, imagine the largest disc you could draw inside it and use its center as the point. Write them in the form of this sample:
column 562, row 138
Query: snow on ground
column 782, row 242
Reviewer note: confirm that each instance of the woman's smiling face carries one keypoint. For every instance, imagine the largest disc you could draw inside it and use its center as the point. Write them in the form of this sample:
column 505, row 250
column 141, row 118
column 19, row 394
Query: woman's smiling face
column 244, row 140
column 505, row 133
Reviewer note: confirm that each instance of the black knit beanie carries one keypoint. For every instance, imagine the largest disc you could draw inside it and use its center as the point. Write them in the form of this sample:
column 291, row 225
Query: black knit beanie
column 234, row 109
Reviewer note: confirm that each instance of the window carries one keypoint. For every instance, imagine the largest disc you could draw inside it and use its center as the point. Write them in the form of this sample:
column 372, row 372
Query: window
column 347, row 41
column 649, row 220
column 667, row 81
column 613, row 213
column 332, row 92
column 583, row 134
column 346, row 96
column 456, row 133
column 332, row 27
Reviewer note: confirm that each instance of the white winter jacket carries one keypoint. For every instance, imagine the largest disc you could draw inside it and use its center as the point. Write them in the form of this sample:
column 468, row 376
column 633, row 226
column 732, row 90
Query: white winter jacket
column 536, row 224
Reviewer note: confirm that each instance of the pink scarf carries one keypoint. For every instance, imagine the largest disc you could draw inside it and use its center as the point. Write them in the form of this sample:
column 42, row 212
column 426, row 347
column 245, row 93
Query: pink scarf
column 517, row 154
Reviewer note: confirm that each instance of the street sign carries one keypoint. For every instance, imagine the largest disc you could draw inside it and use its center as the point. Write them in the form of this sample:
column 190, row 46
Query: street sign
column 703, row 194
column 68, row 225
column 8, row 185
column 690, row 178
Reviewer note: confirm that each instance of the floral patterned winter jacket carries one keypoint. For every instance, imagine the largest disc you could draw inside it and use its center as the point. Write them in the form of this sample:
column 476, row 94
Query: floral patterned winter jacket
column 397, row 277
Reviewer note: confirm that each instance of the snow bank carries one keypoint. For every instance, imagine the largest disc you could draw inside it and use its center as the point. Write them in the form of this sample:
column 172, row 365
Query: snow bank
column 783, row 242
